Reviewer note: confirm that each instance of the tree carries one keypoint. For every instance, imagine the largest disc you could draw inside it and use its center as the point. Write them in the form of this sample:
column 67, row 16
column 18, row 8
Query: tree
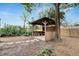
column 24, row 19
column 59, row 6
column 57, row 18
column 0, row 27
column 29, row 28
column 28, row 6
column 51, row 14
column 0, row 23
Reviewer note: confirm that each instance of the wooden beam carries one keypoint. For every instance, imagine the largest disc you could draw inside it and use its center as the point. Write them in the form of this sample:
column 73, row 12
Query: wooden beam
column 32, row 29
column 45, row 27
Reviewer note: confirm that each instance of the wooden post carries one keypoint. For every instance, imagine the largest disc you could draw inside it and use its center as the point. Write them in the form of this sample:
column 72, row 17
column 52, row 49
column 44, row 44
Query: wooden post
column 45, row 28
column 0, row 23
column 0, row 26
column 32, row 29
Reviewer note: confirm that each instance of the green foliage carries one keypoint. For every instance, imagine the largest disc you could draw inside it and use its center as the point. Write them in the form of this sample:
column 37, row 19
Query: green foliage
column 68, row 5
column 13, row 31
column 50, row 13
column 46, row 52
column 28, row 6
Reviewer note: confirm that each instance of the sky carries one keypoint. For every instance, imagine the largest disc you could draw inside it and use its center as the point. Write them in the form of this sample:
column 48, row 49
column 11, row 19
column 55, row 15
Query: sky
column 11, row 13
column 72, row 16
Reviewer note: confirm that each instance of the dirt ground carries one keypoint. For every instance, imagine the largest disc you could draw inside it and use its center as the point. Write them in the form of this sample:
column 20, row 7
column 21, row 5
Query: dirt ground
column 30, row 46
column 14, row 39
column 68, row 47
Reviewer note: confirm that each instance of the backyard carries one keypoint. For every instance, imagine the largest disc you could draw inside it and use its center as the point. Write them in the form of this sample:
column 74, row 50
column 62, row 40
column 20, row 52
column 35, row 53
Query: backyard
column 39, row 29
column 27, row 46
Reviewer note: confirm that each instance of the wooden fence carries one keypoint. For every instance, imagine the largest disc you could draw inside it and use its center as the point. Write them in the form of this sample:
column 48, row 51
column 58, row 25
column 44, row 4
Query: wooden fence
column 70, row 31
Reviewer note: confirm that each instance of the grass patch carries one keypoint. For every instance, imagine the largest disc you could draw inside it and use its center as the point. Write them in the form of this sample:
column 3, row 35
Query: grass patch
column 46, row 52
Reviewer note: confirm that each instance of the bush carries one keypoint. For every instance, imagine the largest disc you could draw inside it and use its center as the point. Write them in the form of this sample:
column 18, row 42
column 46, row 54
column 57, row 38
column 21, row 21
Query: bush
column 46, row 52
column 27, row 34
column 13, row 31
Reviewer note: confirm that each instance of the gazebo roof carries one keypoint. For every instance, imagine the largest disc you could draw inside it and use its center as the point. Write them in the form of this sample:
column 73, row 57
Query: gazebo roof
column 40, row 21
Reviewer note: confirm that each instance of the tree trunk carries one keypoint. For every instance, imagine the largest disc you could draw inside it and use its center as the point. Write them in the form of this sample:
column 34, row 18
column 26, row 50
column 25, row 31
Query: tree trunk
column 57, row 17
column 0, row 27
column 0, row 23
column 24, row 24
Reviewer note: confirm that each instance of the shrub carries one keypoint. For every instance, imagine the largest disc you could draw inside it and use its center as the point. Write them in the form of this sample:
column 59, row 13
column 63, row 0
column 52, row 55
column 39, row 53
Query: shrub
column 46, row 52
column 13, row 31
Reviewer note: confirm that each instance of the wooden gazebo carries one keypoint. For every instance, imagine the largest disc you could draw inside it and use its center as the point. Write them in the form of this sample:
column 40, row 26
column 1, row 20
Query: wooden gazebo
column 48, row 27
